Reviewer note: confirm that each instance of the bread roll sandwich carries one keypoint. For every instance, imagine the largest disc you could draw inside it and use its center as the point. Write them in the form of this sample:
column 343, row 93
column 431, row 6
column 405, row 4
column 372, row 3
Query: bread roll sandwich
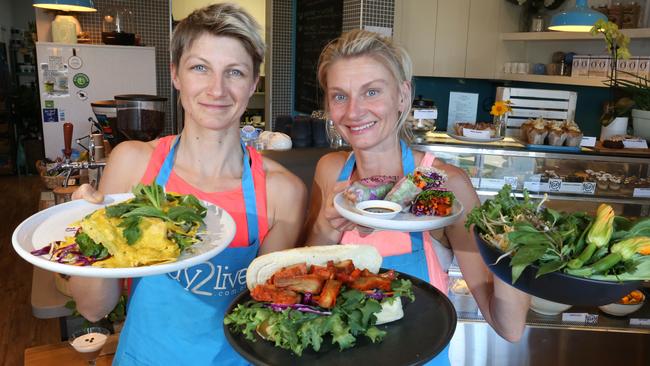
column 302, row 294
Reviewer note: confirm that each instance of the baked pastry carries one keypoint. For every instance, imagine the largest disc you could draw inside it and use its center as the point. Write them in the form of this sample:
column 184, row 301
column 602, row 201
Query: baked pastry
column 602, row 183
column 537, row 132
column 556, row 135
column 615, row 183
column 614, row 142
column 573, row 134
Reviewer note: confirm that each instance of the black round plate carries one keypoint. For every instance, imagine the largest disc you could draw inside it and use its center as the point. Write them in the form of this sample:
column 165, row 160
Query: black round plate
column 555, row 286
column 426, row 328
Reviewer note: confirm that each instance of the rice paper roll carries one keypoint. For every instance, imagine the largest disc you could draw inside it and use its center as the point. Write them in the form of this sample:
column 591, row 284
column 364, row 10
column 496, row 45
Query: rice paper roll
column 372, row 188
column 433, row 202
column 404, row 192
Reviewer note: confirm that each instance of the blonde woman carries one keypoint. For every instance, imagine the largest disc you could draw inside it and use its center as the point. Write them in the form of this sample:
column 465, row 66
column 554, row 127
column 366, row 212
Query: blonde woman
column 367, row 86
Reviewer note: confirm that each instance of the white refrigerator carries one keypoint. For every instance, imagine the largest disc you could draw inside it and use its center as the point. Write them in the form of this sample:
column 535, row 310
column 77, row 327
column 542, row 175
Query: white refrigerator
column 73, row 76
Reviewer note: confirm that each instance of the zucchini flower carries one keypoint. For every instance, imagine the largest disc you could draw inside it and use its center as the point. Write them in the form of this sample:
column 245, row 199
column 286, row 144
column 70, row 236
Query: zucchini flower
column 628, row 247
column 621, row 251
column 598, row 236
column 603, row 227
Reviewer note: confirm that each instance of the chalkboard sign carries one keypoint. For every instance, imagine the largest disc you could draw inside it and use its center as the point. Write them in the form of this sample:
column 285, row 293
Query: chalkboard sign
column 317, row 23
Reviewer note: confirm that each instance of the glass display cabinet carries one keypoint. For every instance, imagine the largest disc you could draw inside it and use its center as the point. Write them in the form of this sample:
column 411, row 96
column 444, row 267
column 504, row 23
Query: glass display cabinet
column 589, row 177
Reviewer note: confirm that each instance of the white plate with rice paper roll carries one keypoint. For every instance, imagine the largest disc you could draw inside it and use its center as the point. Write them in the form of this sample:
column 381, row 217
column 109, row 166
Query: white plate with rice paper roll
column 425, row 202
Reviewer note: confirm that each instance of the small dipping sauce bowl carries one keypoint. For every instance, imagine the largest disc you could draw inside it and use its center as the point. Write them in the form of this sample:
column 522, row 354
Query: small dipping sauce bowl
column 379, row 209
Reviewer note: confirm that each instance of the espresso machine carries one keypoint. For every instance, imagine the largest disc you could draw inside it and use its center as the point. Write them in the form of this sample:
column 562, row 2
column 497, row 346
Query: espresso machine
column 128, row 117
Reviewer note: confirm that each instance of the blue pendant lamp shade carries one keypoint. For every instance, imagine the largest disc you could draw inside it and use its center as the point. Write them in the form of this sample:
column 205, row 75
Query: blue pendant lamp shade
column 578, row 19
column 66, row 5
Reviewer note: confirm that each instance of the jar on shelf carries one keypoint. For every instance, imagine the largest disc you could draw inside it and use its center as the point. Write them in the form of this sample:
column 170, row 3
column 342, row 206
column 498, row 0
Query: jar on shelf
column 118, row 26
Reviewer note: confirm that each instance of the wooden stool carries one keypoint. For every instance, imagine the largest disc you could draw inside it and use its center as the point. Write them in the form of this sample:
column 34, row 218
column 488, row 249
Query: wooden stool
column 63, row 194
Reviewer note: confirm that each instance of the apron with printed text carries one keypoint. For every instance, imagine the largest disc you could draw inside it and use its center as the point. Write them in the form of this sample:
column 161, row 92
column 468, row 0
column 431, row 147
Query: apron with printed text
column 415, row 262
column 177, row 318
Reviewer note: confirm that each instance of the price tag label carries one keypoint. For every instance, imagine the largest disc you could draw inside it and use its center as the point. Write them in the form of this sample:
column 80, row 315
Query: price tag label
column 581, row 318
column 640, row 322
column 641, row 192
column 513, row 181
column 589, row 187
column 476, row 182
column 635, row 144
column 425, row 113
column 533, row 186
column 554, row 185
column 492, row 183
column 588, row 141
column 571, row 187
column 476, row 134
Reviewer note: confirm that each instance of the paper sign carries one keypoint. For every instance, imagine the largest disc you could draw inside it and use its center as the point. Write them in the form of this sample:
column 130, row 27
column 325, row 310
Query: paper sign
column 641, row 322
column 588, row 187
column 462, row 108
column 588, row 141
column 492, row 183
column 635, row 144
column 476, row 134
column 641, row 192
column 513, row 181
column 425, row 113
column 582, row 318
column 534, row 186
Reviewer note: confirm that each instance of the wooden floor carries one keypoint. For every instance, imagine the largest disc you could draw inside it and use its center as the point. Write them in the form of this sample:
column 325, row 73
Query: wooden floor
column 19, row 198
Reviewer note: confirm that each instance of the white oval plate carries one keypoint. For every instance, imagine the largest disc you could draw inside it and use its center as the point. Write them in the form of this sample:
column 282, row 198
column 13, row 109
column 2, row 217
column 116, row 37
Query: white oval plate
column 471, row 139
column 50, row 225
column 404, row 221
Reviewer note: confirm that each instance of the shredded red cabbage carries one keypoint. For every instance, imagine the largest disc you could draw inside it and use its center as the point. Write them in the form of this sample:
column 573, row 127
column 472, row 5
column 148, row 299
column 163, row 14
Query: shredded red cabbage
column 307, row 298
column 44, row 250
column 299, row 307
column 377, row 295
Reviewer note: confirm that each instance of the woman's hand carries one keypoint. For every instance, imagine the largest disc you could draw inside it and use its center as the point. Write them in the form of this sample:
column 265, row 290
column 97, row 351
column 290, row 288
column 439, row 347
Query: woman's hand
column 333, row 217
column 88, row 193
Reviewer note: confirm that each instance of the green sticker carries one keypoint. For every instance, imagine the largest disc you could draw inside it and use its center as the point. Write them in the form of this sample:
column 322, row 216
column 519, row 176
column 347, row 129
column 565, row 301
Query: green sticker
column 81, row 80
column 49, row 104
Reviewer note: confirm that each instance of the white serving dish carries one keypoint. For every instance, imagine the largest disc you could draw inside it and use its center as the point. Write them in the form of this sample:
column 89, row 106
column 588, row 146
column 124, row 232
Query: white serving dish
column 620, row 309
column 379, row 208
column 547, row 307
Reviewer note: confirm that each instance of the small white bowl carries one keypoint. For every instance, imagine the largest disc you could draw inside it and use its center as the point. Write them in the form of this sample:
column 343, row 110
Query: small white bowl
column 379, row 208
column 547, row 307
column 620, row 309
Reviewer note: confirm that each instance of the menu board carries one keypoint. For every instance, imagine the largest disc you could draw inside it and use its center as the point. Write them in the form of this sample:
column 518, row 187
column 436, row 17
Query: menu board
column 317, row 23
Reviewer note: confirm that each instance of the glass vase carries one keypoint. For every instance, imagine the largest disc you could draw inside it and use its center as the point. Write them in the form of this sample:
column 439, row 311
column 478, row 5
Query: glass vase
column 500, row 125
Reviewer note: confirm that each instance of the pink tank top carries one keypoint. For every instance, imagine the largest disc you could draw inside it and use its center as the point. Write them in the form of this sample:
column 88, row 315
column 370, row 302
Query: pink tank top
column 390, row 243
column 231, row 201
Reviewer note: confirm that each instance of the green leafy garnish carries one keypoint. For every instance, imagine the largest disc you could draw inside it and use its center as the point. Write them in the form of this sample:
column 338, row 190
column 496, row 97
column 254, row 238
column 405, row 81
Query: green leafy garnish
column 89, row 248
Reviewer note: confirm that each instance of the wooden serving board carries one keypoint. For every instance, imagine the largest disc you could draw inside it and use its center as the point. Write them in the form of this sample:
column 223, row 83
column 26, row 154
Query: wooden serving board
column 599, row 147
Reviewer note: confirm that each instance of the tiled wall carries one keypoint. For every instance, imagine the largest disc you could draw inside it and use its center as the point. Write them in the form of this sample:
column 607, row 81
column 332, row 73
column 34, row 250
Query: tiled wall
column 281, row 45
column 378, row 13
column 375, row 13
column 351, row 14
column 152, row 24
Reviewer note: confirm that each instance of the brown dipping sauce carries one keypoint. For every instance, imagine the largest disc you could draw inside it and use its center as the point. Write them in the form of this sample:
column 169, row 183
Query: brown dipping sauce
column 378, row 210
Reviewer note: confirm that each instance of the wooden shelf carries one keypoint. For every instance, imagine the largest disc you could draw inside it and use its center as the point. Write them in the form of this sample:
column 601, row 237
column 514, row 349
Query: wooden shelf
column 569, row 36
column 554, row 79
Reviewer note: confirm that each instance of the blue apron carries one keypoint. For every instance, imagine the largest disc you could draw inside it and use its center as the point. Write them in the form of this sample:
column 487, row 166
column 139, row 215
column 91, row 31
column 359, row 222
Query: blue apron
column 177, row 318
column 415, row 262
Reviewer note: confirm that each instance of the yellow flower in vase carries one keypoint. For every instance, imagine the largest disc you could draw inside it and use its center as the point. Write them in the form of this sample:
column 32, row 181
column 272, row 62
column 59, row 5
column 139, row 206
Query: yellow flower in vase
column 499, row 110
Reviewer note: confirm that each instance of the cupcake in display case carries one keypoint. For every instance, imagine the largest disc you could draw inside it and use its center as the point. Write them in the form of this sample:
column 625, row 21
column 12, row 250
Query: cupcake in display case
column 537, row 132
column 573, row 134
column 556, row 135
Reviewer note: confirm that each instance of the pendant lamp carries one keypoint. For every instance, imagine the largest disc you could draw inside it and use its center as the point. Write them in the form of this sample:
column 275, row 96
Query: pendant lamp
column 578, row 19
column 66, row 5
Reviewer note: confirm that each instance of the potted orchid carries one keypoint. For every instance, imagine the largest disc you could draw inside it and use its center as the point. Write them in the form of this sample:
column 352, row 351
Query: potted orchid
column 615, row 115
